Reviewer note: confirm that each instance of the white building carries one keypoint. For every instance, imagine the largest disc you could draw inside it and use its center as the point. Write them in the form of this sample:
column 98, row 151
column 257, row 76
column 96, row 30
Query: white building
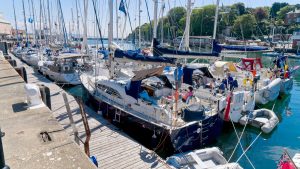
column 5, row 26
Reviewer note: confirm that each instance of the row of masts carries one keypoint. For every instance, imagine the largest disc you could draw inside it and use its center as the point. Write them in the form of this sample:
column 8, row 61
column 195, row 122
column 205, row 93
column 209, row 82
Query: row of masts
column 62, row 28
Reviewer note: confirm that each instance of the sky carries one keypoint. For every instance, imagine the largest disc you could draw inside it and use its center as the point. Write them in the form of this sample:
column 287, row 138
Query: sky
column 68, row 6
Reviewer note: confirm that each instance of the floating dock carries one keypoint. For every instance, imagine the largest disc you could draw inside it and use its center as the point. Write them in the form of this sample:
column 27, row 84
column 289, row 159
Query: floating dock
column 112, row 147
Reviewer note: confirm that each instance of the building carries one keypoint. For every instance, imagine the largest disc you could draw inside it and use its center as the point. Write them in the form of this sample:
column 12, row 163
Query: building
column 292, row 17
column 296, row 39
column 5, row 26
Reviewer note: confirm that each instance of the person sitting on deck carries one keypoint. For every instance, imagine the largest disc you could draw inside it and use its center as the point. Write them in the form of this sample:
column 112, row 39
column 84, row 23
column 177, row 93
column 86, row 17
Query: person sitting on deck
column 186, row 97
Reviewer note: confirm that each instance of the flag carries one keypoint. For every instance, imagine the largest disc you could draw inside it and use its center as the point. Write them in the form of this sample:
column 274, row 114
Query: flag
column 122, row 7
column 286, row 162
column 30, row 20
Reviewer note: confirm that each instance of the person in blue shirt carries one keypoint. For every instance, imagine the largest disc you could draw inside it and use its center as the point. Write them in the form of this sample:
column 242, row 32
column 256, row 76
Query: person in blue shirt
column 178, row 74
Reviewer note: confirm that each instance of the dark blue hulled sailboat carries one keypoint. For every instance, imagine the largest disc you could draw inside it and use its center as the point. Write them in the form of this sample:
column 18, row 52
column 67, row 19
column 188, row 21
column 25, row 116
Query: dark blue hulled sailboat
column 243, row 47
column 138, row 56
column 159, row 50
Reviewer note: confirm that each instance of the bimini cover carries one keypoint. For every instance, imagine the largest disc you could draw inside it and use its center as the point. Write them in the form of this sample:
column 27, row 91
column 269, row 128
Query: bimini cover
column 220, row 65
column 189, row 71
column 134, row 86
column 143, row 74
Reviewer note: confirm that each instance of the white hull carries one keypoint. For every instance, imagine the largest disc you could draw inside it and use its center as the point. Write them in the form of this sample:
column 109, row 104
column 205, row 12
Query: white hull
column 31, row 60
column 286, row 86
column 62, row 78
column 201, row 159
column 268, row 93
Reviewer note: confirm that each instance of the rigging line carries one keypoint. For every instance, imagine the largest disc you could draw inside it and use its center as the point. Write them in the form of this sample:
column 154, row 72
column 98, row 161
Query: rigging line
column 239, row 141
column 248, row 147
column 99, row 30
column 126, row 4
column 148, row 15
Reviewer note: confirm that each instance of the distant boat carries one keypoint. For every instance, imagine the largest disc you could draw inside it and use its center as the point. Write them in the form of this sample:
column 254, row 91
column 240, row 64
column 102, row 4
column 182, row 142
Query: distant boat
column 243, row 47
column 201, row 159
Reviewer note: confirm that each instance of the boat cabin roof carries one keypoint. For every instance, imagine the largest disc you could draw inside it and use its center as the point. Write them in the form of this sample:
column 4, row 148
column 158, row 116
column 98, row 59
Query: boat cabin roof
column 72, row 55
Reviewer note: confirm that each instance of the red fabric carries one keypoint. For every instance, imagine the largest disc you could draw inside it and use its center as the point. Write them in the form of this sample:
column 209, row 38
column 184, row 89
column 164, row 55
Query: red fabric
column 227, row 110
column 249, row 63
column 287, row 165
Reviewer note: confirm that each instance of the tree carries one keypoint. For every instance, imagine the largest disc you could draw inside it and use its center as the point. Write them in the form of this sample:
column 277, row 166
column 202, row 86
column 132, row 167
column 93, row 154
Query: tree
column 239, row 8
column 177, row 25
column 244, row 26
column 276, row 7
column 202, row 21
column 260, row 13
column 283, row 11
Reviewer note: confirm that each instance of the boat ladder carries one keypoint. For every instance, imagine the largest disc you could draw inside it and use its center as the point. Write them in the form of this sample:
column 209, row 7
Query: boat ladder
column 117, row 115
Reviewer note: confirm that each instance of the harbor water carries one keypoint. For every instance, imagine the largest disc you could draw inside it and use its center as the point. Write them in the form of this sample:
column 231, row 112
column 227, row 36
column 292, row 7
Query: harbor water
column 265, row 152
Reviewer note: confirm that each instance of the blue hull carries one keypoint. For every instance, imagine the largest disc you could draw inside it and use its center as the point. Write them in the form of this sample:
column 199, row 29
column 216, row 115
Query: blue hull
column 189, row 137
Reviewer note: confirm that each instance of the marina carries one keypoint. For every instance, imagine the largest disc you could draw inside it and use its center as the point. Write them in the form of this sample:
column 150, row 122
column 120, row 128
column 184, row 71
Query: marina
column 196, row 86
column 103, row 134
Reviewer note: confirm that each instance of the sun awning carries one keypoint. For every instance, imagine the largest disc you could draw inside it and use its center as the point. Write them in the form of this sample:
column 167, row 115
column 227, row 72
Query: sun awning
column 143, row 74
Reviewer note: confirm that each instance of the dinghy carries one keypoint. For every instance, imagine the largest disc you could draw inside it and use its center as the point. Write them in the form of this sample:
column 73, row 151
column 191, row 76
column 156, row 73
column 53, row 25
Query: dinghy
column 200, row 159
column 286, row 86
column 267, row 91
column 264, row 119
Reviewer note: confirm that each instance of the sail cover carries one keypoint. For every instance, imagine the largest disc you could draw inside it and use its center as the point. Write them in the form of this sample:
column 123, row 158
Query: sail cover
column 137, row 55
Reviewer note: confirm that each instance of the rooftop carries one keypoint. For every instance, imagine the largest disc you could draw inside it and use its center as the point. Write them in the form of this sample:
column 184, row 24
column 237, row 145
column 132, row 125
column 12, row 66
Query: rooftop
column 2, row 20
column 294, row 11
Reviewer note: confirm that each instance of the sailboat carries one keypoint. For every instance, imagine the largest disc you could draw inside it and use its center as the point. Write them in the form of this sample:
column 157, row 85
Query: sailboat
column 150, row 101
column 159, row 50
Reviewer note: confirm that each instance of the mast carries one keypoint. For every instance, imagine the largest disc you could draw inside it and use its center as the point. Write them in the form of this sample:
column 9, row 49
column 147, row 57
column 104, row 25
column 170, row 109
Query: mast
column 25, row 23
column 84, row 46
column 17, row 33
column 155, row 19
column 40, row 21
column 187, row 26
column 34, row 26
column 117, row 21
column 77, row 16
column 140, row 24
column 216, row 20
column 162, row 22
column 46, row 34
column 49, row 20
column 110, row 25
column 72, row 27
column 30, row 15
column 110, row 38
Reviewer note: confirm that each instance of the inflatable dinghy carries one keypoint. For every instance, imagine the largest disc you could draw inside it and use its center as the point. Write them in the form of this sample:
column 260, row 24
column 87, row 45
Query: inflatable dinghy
column 264, row 119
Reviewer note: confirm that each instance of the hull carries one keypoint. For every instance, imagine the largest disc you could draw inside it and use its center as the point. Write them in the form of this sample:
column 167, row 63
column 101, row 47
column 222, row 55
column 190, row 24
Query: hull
column 31, row 60
column 268, row 93
column 62, row 78
column 176, row 139
column 286, row 86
